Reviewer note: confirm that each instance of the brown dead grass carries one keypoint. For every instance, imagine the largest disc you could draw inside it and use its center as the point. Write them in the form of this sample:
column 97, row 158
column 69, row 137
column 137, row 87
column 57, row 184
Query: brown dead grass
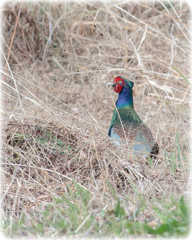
column 55, row 91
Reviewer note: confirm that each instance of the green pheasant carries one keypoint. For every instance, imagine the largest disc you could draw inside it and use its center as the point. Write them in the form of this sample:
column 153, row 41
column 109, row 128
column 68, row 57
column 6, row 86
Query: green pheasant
column 126, row 126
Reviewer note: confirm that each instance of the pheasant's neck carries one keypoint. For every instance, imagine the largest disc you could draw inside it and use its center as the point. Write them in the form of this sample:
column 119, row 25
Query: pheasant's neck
column 125, row 99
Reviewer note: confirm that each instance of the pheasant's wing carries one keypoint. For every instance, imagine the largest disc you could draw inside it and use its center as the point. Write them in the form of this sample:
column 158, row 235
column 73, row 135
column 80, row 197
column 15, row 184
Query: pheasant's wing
column 144, row 141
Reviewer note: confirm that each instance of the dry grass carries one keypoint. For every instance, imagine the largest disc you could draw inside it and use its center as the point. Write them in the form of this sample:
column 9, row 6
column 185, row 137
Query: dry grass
column 57, row 108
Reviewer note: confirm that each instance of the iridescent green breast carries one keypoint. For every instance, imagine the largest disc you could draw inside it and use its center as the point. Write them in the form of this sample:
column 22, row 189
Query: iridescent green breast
column 131, row 129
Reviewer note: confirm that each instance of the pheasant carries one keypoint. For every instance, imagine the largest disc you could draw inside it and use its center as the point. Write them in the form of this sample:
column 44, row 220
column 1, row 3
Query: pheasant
column 126, row 126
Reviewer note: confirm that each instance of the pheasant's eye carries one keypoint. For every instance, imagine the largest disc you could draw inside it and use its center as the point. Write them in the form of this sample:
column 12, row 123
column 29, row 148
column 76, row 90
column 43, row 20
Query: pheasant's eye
column 120, row 81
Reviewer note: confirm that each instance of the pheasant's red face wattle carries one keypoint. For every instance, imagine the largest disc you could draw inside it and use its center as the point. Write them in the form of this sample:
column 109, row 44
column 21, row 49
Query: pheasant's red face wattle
column 119, row 82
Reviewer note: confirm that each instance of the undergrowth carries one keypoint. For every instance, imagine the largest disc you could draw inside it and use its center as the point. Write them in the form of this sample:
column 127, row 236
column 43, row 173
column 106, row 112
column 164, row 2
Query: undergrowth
column 74, row 213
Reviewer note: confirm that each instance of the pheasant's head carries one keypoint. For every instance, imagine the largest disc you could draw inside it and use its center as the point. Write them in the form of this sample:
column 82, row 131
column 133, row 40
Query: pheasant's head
column 119, row 83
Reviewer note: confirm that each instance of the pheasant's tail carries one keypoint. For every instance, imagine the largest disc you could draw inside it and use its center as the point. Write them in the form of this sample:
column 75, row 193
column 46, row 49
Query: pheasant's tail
column 154, row 151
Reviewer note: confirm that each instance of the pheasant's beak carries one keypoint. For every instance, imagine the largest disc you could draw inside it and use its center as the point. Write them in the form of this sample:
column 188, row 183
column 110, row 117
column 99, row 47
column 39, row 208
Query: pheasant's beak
column 110, row 83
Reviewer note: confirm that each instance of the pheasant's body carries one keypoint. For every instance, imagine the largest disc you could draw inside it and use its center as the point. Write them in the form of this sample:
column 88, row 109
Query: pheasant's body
column 126, row 126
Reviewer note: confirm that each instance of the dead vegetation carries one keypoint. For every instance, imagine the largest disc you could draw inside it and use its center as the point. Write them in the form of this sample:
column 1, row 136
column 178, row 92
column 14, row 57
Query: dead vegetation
column 57, row 108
